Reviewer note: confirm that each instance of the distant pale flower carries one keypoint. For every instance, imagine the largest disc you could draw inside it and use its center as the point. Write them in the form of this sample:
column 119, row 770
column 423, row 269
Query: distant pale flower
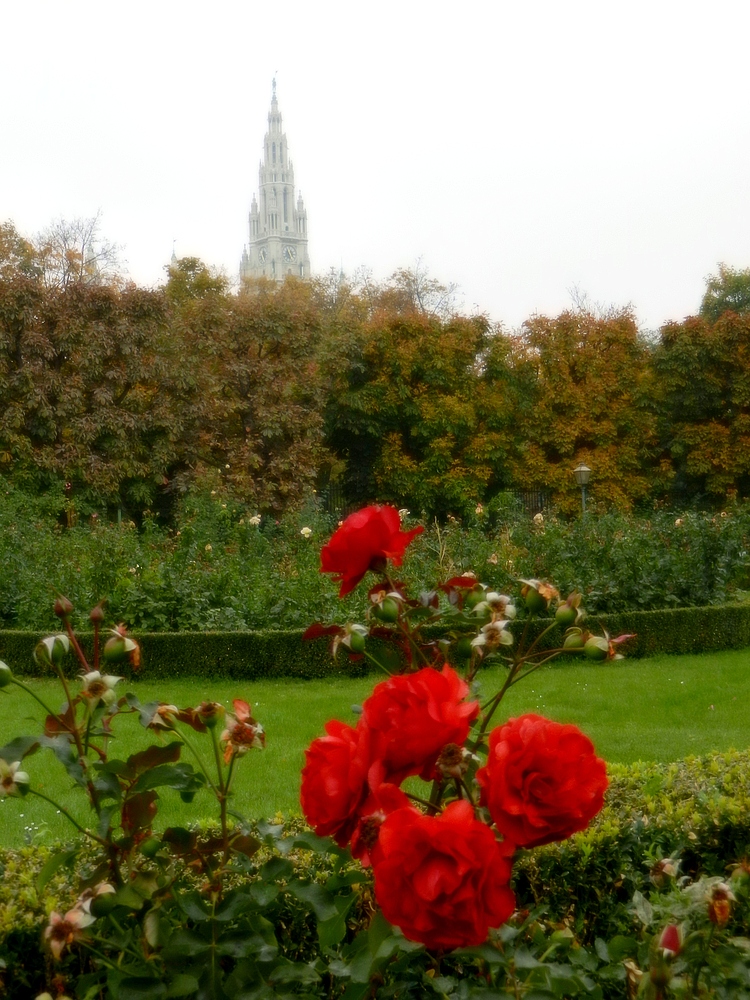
column 403, row 512
column 163, row 717
column 539, row 518
column 12, row 781
column 254, row 520
column 678, row 523
column 209, row 547
column 492, row 559
column 305, row 532
column 479, row 510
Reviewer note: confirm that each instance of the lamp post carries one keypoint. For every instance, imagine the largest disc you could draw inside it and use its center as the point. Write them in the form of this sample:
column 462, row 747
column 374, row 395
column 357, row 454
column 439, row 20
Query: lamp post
column 582, row 473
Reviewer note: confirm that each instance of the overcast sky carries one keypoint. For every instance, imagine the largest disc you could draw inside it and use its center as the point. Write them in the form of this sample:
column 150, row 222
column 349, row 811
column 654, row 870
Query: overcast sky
column 520, row 149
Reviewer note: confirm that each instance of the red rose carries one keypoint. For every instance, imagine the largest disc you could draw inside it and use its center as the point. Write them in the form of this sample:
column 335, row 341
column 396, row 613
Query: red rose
column 542, row 781
column 365, row 541
column 382, row 801
column 413, row 716
column 442, row 879
column 334, row 780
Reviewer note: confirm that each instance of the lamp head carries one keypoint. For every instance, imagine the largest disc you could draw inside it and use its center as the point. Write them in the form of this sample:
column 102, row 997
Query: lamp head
column 582, row 473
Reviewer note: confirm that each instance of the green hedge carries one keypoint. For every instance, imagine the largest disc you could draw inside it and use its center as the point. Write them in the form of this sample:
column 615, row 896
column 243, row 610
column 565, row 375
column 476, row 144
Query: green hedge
column 264, row 654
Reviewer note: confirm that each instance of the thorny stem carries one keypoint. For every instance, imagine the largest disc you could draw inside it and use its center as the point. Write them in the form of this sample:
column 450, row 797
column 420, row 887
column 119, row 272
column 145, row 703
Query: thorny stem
column 418, row 798
column 538, row 639
column 198, row 757
column 405, row 631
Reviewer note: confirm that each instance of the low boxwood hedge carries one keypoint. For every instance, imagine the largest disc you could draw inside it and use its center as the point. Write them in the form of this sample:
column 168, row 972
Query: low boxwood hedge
column 267, row 654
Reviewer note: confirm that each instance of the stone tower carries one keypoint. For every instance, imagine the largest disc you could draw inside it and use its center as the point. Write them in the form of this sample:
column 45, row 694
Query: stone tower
column 278, row 225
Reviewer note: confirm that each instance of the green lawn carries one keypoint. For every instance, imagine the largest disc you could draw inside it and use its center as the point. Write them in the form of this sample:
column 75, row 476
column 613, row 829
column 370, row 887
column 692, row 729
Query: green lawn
column 659, row 710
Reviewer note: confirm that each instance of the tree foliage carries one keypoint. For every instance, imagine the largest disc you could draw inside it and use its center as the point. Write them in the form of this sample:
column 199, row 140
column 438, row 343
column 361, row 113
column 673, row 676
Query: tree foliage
column 727, row 291
column 703, row 371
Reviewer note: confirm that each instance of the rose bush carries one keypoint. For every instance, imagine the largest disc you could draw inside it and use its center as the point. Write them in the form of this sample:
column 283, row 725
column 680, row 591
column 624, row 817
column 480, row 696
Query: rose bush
column 542, row 781
column 442, row 859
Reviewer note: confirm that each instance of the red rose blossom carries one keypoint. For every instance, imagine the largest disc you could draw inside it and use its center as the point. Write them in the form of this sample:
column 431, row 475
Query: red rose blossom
column 334, row 780
column 382, row 801
column 413, row 716
column 542, row 781
column 365, row 541
column 442, row 879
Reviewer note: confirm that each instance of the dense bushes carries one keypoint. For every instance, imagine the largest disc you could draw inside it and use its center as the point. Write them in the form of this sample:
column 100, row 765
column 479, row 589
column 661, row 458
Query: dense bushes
column 222, row 568
column 607, row 889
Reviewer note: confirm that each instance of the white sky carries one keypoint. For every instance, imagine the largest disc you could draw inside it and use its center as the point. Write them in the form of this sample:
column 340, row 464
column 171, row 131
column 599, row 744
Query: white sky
column 519, row 148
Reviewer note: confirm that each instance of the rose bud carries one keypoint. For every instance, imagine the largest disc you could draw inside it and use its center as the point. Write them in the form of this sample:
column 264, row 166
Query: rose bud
column 670, row 942
column 62, row 607
column 49, row 652
column 537, row 595
column 719, row 904
column 96, row 615
column 574, row 639
column 6, row 674
column 596, row 648
column 209, row 713
column 569, row 611
column 386, row 610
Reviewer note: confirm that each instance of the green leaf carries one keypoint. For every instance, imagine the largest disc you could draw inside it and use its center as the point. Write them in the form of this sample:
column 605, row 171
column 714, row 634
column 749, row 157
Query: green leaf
column 181, row 986
column 275, row 869
column 233, row 906
column 193, row 906
column 331, row 931
column 317, row 897
column 20, row 747
column 293, row 972
column 184, row 943
column 180, row 777
column 263, row 894
column 63, row 859
column 140, row 988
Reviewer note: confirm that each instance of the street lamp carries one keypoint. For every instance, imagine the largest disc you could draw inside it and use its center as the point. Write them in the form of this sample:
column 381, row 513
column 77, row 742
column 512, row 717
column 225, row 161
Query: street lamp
column 583, row 474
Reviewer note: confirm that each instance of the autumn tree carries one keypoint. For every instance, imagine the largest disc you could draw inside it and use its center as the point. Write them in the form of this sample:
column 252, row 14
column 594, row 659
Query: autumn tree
column 583, row 394
column 403, row 416
column 87, row 389
column 256, row 413
column 703, row 373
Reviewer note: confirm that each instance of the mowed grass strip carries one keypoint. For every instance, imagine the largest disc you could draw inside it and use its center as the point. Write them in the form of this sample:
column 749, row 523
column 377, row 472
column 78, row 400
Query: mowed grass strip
column 661, row 709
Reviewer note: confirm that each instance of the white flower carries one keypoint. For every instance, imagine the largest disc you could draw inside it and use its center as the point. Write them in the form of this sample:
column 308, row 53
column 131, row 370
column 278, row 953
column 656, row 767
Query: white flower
column 539, row 518
column 493, row 635
column 254, row 520
column 479, row 510
column 403, row 513
column 209, row 547
column 11, row 778
column 100, row 687
column 305, row 532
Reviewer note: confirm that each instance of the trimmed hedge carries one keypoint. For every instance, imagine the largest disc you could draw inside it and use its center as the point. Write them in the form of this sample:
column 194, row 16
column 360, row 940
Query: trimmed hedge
column 268, row 654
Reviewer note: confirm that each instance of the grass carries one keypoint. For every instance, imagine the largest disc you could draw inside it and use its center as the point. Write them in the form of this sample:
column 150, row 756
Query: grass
column 660, row 709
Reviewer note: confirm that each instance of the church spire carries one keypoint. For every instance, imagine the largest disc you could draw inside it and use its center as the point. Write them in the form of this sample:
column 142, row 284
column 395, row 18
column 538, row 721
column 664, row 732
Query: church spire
column 277, row 225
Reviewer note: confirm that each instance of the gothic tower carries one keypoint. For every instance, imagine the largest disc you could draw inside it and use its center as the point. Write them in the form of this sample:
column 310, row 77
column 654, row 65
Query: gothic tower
column 278, row 225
